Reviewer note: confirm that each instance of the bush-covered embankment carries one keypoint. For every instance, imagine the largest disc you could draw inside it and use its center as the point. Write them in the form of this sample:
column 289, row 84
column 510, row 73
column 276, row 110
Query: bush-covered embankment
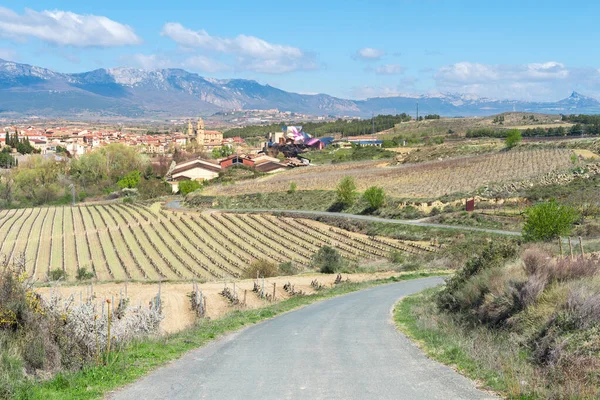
column 526, row 325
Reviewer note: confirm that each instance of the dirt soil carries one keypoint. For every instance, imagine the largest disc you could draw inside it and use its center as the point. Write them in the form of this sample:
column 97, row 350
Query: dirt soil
column 176, row 303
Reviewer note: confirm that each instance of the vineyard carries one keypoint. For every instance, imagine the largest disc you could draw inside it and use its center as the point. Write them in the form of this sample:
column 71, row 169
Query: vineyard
column 425, row 180
column 119, row 242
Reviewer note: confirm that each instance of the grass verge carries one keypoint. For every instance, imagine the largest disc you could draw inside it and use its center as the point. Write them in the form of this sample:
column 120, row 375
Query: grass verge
column 137, row 359
column 492, row 359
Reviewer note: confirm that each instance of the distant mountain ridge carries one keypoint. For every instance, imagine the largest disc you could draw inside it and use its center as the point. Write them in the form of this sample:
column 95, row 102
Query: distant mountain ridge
column 136, row 93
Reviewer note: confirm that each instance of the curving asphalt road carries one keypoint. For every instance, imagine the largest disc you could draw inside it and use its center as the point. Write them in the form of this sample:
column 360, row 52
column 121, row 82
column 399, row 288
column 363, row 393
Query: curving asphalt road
column 342, row 348
column 176, row 204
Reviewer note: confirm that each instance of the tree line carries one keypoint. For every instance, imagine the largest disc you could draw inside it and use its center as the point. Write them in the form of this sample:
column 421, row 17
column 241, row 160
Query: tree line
column 575, row 130
column 103, row 172
column 320, row 129
column 22, row 145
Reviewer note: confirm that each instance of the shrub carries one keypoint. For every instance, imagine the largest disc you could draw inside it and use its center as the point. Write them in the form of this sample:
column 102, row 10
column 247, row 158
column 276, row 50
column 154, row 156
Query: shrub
column 535, row 260
column 83, row 274
column 549, row 220
column 494, row 255
column 375, row 197
column 396, row 257
column 263, row 268
column 328, row 260
column 513, row 138
column 292, row 188
column 57, row 275
column 130, row 181
column 412, row 266
column 288, row 268
column 346, row 191
column 566, row 269
column 186, row 187
column 128, row 200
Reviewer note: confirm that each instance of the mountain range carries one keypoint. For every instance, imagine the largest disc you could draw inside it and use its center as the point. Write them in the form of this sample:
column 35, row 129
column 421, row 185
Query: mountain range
column 27, row 90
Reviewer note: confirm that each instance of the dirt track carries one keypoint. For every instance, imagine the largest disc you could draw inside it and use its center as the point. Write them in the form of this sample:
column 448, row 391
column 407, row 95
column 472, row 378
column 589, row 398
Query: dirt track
column 176, row 304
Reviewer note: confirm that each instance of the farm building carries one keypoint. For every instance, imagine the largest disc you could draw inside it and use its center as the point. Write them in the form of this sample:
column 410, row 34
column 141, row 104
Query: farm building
column 197, row 170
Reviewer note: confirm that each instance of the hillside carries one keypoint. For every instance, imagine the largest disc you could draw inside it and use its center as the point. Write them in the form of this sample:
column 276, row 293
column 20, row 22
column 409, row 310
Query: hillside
column 136, row 93
column 126, row 242
column 426, row 180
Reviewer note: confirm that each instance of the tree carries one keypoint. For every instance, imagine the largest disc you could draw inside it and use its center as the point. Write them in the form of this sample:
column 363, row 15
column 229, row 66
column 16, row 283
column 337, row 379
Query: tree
column 513, row 138
column 151, row 188
column 130, row 181
column 186, row 187
column 346, row 191
column 262, row 268
column 223, row 151
column 328, row 260
column 6, row 160
column 549, row 220
column 375, row 196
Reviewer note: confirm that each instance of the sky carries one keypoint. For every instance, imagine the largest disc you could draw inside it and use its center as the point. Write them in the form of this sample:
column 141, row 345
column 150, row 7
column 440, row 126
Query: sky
column 526, row 50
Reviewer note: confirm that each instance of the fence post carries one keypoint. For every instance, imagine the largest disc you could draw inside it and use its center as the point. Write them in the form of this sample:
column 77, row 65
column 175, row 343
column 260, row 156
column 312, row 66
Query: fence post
column 571, row 247
column 274, row 285
column 245, row 292
column 262, row 291
column 560, row 245
column 581, row 247
column 108, row 337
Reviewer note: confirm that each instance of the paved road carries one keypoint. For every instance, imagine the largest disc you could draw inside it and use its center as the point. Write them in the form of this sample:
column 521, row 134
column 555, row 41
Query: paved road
column 176, row 204
column 414, row 222
column 341, row 348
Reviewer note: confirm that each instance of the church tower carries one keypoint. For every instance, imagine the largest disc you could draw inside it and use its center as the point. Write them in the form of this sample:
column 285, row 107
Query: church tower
column 190, row 130
column 200, row 131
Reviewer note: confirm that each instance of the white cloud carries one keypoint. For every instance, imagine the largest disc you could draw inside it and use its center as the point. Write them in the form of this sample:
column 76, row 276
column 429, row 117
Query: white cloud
column 252, row 53
column 534, row 81
column 369, row 54
column 204, row 64
column 65, row 28
column 159, row 61
column 390, row 69
column 148, row 61
column 482, row 73
column 8, row 54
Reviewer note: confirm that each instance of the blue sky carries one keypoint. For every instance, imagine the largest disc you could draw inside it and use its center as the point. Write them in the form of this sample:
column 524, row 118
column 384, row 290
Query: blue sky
column 531, row 50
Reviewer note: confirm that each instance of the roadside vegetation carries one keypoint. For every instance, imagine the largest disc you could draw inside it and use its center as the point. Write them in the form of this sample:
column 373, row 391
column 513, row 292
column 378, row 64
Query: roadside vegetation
column 522, row 321
column 138, row 357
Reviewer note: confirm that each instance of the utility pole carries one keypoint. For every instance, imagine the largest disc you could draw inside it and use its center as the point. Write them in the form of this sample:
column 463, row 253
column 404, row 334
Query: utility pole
column 373, row 123
column 417, row 110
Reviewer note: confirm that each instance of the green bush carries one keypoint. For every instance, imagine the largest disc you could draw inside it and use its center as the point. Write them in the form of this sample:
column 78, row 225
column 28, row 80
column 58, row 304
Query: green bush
column 328, row 260
column 513, row 138
column 130, row 181
column 186, row 187
column 346, row 191
column 549, row 220
column 83, row 274
column 57, row 274
column 375, row 197
column 292, row 188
